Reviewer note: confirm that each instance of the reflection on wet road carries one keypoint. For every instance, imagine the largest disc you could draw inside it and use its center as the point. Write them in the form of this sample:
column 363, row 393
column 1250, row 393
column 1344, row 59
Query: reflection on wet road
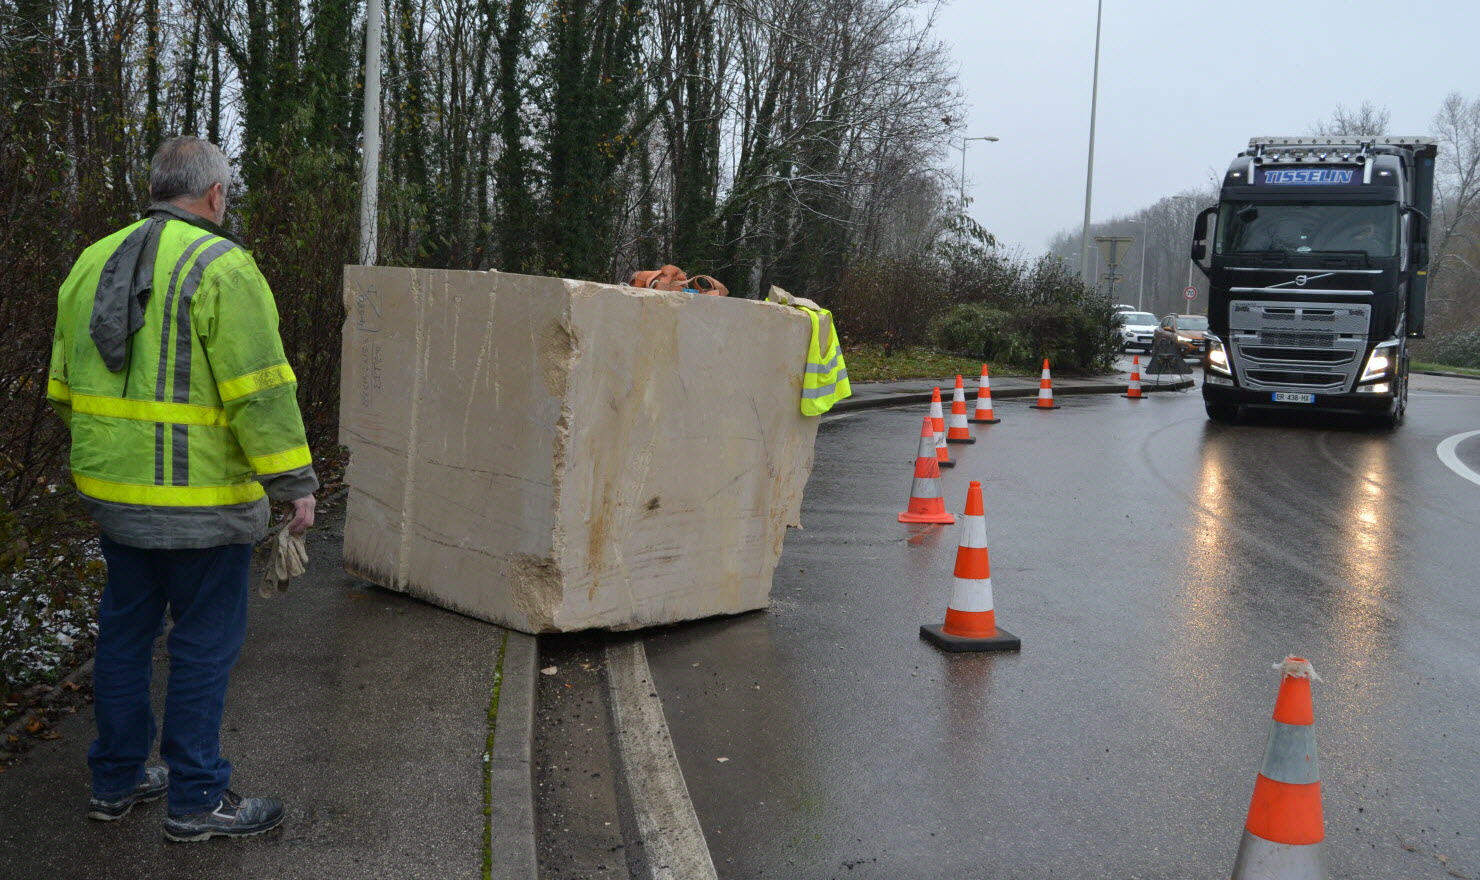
column 1155, row 566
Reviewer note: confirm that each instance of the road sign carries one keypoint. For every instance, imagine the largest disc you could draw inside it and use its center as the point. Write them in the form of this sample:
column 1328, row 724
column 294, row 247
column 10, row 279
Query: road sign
column 1190, row 292
column 1113, row 248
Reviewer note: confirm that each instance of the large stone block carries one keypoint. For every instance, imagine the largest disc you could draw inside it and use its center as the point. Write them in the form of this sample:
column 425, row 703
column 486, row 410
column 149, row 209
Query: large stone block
column 555, row 455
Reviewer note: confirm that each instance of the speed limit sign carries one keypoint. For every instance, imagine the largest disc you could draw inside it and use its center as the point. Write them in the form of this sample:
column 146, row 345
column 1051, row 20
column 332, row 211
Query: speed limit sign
column 1190, row 292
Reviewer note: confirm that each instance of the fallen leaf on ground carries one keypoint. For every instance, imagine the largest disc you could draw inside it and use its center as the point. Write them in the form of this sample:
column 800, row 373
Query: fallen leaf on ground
column 550, row 670
column 71, row 686
column 34, row 724
column 51, row 734
column 721, row 760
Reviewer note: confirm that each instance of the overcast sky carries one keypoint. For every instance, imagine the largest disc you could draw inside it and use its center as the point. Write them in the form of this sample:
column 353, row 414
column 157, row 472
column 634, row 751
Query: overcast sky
column 1183, row 86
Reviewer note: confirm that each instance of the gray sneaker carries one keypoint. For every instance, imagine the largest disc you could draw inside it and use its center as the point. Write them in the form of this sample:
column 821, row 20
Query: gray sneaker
column 156, row 783
column 235, row 816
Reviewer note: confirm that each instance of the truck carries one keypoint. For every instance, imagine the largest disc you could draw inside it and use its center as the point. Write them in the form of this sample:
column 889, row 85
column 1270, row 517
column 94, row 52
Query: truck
column 1317, row 275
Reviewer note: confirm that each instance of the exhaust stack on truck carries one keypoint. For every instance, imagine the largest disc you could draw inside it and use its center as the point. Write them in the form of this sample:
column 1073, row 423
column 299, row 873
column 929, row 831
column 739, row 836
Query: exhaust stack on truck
column 1317, row 274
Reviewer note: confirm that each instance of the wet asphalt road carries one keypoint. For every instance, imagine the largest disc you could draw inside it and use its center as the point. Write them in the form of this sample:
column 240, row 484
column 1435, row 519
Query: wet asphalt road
column 1155, row 565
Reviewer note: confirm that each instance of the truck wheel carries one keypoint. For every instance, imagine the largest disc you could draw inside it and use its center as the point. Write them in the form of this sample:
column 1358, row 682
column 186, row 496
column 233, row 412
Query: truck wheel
column 1225, row 413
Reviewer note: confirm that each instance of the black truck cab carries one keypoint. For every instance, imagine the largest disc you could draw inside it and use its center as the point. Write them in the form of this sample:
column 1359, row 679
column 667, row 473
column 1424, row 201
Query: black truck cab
column 1316, row 275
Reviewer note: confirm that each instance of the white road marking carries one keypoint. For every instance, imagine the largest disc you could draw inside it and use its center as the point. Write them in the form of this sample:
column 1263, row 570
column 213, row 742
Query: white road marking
column 672, row 839
column 1451, row 461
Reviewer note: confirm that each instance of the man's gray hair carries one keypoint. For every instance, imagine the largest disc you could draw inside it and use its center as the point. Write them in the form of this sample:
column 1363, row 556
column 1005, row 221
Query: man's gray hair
column 185, row 167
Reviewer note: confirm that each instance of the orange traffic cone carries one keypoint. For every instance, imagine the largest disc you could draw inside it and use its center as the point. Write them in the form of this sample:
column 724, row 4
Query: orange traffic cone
column 1282, row 838
column 956, row 430
column 926, row 503
column 1045, row 390
column 983, row 415
column 1134, row 391
column 938, row 420
column 971, row 623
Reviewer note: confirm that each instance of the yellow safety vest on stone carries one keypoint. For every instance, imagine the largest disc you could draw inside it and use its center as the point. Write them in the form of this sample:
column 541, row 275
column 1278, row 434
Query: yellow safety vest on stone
column 825, row 378
column 168, row 369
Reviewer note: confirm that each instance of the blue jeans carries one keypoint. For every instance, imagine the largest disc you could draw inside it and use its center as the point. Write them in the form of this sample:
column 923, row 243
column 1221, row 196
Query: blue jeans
column 206, row 594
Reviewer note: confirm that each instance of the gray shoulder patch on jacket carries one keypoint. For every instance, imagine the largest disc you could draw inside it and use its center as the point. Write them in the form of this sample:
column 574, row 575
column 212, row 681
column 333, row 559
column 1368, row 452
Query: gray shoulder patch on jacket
column 123, row 289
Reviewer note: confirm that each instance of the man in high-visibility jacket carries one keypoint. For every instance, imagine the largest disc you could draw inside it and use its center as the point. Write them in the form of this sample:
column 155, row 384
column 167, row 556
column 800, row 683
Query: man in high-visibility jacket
column 168, row 368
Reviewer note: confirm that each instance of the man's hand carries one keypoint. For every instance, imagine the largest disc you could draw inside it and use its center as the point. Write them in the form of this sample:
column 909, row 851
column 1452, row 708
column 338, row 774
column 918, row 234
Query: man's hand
column 303, row 509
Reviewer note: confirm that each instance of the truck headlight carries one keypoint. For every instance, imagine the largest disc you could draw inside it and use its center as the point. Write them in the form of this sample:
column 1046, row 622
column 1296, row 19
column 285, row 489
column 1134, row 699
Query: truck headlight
column 1381, row 363
column 1217, row 360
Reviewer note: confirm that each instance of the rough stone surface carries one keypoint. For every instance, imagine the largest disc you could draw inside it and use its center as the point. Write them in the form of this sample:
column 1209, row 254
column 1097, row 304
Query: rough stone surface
column 555, row 455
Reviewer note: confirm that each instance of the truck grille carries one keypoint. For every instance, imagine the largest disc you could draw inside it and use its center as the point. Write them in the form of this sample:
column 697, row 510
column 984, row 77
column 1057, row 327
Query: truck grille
column 1301, row 340
column 1304, row 355
column 1257, row 317
column 1302, row 380
column 1297, row 346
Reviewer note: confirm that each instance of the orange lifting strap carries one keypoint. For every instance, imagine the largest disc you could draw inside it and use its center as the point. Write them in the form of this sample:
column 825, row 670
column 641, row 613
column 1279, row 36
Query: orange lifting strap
column 672, row 278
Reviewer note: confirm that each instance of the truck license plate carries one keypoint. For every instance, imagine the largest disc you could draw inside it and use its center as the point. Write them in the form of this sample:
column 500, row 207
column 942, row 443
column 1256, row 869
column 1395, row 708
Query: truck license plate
column 1293, row 397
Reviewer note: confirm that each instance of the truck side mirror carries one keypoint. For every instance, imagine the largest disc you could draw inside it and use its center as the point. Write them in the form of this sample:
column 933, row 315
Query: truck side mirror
column 1420, row 227
column 1200, row 234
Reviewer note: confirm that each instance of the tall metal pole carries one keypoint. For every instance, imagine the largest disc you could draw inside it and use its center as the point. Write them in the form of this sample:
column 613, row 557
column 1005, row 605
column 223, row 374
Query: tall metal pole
column 370, row 173
column 962, row 202
column 1141, row 290
column 1089, row 174
column 991, row 138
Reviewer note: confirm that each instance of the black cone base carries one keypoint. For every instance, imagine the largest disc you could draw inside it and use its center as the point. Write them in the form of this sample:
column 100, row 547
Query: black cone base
column 951, row 463
column 1135, row 397
column 1036, row 406
column 960, row 439
column 935, row 634
column 984, row 421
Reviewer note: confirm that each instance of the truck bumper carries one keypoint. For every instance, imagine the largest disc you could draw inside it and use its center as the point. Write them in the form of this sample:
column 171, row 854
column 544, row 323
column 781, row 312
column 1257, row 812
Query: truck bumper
column 1364, row 403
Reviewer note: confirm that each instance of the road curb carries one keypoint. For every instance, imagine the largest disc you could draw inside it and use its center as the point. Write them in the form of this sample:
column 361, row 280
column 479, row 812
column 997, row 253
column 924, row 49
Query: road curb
column 510, row 765
column 883, row 400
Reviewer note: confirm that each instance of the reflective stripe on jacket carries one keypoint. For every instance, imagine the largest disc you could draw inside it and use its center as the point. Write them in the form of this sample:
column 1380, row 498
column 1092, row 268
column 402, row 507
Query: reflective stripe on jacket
column 825, row 381
column 173, row 446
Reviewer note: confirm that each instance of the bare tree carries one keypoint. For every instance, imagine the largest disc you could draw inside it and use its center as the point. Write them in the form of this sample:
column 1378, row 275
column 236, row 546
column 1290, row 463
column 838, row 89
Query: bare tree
column 1368, row 120
column 1166, row 227
column 1454, row 267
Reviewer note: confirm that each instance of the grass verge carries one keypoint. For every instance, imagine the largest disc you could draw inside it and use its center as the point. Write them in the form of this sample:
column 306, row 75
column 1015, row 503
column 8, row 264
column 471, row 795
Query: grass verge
column 1416, row 365
column 868, row 363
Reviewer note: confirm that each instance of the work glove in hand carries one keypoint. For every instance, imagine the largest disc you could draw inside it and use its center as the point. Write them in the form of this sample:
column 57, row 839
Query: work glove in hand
column 288, row 560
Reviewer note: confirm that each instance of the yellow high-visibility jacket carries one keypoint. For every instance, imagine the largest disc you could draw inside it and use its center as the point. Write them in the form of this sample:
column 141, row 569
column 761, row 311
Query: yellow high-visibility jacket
column 168, row 368
column 825, row 381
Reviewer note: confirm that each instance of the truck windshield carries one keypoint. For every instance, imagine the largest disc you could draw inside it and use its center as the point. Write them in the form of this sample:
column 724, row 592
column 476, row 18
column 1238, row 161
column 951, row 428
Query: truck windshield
column 1303, row 227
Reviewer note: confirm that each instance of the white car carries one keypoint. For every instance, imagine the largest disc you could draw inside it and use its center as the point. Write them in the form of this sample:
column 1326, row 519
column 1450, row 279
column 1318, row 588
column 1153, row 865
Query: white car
column 1137, row 330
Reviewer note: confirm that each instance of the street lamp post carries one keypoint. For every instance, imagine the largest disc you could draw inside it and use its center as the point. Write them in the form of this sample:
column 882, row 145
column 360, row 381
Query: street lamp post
column 990, row 138
column 1141, row 288
column 1089, row 173
column 1190, row 261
